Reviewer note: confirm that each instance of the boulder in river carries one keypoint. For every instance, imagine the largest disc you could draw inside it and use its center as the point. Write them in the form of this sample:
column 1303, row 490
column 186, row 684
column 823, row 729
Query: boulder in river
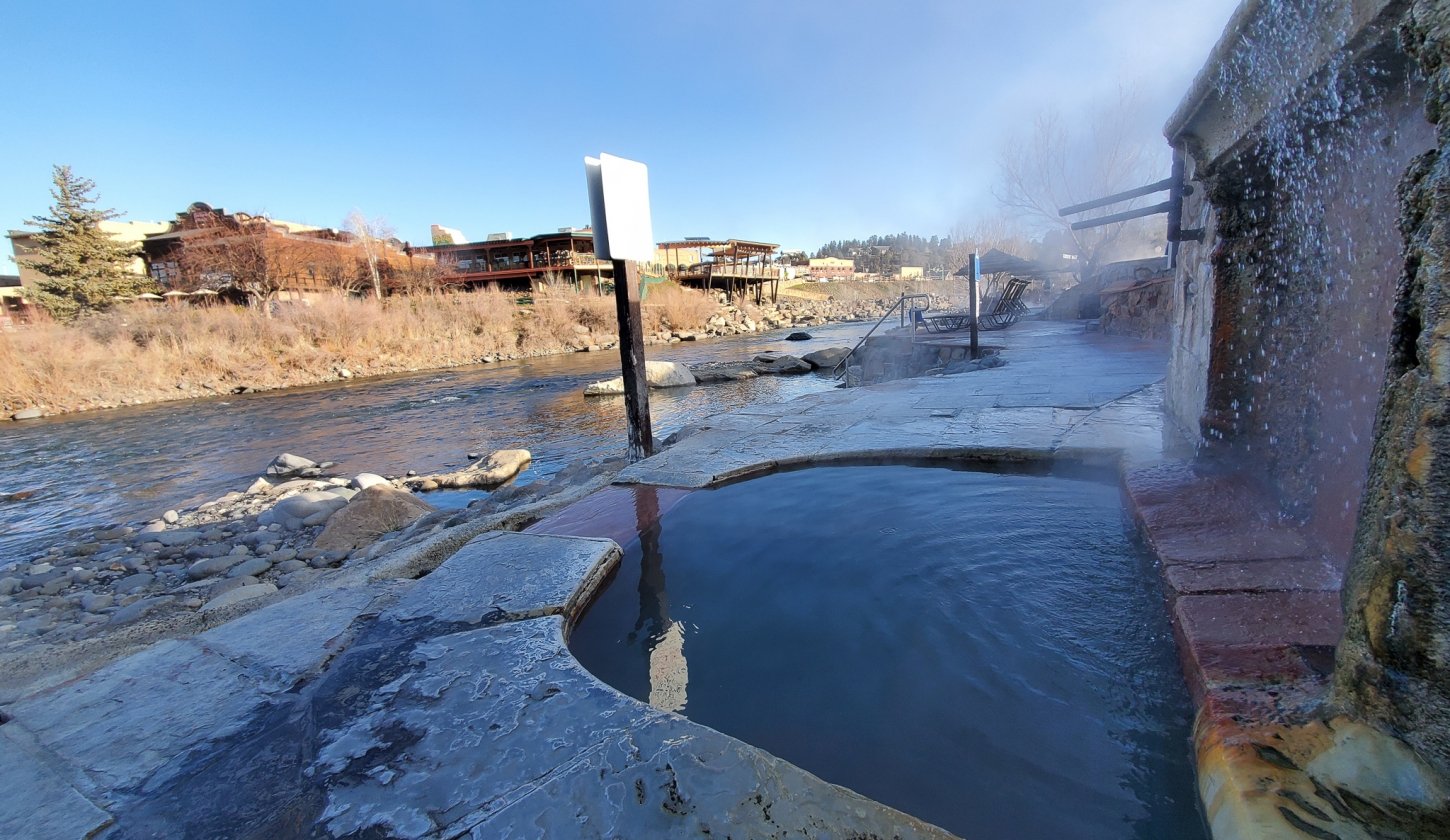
column 363, row 481
column 723, row 372
column 827, row 358
column 486, row 472
column 314, row 505
column 373, row 512
column 288, row 464
column 657, row 374
column 27, row 414
column 798, row 336
column 782, row 364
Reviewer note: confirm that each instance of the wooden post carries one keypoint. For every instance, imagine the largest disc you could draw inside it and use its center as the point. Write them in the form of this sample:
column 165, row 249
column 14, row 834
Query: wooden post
column 631, row 359
column 976, row 267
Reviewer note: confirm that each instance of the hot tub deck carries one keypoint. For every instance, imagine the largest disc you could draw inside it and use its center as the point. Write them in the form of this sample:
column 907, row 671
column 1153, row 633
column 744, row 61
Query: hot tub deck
column 450, row 706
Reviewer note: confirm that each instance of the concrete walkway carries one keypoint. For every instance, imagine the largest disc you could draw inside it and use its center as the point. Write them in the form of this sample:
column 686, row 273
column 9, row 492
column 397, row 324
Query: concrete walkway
column 449, row 706
column 1062, row 393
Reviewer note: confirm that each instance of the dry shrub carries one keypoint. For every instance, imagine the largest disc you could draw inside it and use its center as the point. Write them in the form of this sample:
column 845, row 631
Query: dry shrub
column 669, row 306
column 146, row 353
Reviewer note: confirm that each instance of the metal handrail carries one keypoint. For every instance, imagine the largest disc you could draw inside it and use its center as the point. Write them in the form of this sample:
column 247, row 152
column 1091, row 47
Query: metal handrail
column 900, row 304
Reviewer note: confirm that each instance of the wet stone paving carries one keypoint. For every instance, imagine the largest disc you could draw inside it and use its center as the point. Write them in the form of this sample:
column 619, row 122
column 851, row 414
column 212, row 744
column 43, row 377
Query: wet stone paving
column 449, row 705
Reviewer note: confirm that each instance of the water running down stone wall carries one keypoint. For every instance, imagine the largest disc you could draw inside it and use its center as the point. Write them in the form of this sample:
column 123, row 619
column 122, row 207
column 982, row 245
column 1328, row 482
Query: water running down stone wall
column 1286, row 306
column 1316, row 300
column 1394, row 662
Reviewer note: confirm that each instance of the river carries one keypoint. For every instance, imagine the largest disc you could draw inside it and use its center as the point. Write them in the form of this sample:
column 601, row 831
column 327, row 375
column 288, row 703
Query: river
column 135, row 463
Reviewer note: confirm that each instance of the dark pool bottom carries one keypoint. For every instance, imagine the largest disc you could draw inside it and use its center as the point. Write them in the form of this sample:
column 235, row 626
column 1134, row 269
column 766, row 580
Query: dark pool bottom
column 984, row 650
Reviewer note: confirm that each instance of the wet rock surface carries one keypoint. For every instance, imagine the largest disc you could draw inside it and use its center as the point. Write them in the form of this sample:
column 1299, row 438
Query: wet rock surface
column 492, row 471
column 343, row 687
column 657, row 374
column 1392, row 669
column 236, row 552
column 346, row 711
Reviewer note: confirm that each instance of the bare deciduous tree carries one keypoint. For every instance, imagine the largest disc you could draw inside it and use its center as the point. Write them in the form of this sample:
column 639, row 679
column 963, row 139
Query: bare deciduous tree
column 371, row 234
column 1056, row 163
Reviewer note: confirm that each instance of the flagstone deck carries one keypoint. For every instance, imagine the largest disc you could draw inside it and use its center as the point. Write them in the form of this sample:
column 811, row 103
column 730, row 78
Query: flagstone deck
column 450, row 706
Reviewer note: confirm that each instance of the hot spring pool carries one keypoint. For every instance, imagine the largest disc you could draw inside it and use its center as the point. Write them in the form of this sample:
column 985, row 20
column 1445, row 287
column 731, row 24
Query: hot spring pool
column 985, row 650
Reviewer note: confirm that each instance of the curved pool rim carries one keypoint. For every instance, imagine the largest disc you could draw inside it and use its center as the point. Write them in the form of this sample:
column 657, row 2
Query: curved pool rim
column 1079, row 462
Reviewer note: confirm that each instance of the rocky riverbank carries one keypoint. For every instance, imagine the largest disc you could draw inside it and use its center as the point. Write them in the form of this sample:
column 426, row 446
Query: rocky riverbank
column 148, row 357
column 292, row 528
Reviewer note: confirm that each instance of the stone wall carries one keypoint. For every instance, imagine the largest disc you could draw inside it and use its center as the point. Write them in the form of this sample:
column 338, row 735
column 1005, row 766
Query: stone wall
column 1140, row 309
column 884, row 358
column 1186, row 390
column 1311, row 338
column 1393, row 664
column 1285, row 308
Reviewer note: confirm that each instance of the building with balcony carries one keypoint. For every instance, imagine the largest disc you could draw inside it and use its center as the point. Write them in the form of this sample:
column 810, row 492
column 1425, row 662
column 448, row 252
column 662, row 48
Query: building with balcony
column 522, row 263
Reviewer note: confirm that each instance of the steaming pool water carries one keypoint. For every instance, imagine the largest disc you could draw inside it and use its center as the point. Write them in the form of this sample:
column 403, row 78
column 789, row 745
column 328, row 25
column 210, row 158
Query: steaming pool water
column 981, row 648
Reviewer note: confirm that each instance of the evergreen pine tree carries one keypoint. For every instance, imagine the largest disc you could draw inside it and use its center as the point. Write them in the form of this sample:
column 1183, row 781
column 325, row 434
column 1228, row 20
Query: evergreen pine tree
column 84, row 268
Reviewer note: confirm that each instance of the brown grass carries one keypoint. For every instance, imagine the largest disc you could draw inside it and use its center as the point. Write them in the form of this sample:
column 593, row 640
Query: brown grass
column 143, row 353
column 667, row 306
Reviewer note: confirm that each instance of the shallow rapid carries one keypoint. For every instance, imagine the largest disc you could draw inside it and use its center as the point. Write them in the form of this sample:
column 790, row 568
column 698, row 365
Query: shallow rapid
column 135, row 463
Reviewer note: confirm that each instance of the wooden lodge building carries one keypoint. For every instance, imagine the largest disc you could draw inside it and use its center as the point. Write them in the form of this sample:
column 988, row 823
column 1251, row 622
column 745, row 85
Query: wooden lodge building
column 238, row 253
column 520, row 264
column 729, row 265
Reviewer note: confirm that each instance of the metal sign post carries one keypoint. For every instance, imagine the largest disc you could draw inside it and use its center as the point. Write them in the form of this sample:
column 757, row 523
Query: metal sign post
column 619, row 212
column 975, row 263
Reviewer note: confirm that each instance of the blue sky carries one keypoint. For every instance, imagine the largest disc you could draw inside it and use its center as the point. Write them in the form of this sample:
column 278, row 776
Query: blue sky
column 793, row 122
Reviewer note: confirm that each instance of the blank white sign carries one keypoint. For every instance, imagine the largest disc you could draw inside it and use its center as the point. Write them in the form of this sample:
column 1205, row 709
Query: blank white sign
column 619, row 208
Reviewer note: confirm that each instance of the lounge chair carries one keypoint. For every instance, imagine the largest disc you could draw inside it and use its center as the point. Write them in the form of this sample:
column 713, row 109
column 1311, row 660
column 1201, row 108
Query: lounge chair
column 1001, row 313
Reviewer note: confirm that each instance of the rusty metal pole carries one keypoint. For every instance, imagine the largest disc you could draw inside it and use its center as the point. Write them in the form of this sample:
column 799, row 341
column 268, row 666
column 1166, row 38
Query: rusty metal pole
column 631, row 359
column 976, row 269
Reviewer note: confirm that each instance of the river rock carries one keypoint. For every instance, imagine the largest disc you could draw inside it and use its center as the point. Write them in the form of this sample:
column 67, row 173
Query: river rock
column 137, row 609
column 35, row 580
column 206, row 551
column 656, row 374
column 170, row 517
column 9, row 585
column 173, row 539
column 26, row 414
column 798, row 336
column 723, row 372
column 301, row 506
column 315, row 519
column 827, row 358
column 363, row 481
column 782, row 364
column 250, row 568
column 299, row 484
column 261, row 485
column 373, row 512
column 238, row 595
column 96, row 601
column 212, row 566
column 490, row 472
column 288, row 464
